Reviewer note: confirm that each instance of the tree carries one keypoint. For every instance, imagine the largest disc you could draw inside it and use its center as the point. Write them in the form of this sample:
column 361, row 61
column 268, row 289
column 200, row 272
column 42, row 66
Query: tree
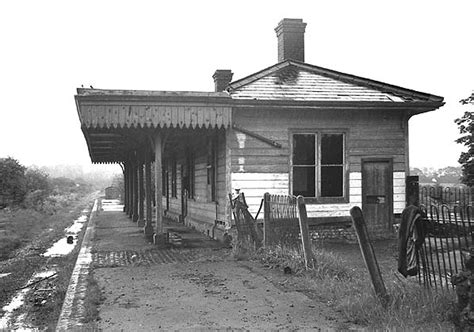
column 12, row 182
column 37, row 188
column 466, row 128
column 36, row 179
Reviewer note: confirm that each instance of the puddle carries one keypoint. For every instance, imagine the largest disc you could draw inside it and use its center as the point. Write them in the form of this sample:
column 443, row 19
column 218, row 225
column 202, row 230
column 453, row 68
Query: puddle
column 17, row 301
column 4, row 274
column 111, row 205
column 62, row 247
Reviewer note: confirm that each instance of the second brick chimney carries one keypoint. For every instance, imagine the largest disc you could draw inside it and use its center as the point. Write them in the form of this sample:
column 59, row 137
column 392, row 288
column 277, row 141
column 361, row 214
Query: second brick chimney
column 222, row 78
column 290, row 34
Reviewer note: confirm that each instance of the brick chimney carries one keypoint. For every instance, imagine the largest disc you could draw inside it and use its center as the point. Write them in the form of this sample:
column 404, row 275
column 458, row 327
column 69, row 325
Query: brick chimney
column 222, row 78
column 290, row 34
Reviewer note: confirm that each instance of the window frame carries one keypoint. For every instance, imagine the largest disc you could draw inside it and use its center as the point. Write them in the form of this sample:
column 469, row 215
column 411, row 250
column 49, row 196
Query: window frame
column 318, row 132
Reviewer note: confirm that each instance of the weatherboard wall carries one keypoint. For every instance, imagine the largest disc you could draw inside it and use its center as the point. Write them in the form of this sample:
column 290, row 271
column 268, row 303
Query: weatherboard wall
column 258, row 167
column 202, row 212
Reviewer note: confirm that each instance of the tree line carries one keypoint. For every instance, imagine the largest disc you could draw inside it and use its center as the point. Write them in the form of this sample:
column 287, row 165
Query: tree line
column 31, row 187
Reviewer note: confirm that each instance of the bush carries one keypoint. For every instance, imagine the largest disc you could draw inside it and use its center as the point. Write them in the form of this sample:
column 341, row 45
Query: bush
column 12, row 182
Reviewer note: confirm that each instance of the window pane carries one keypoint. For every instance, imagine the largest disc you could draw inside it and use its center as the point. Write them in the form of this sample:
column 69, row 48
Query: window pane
column 331, row 149
column 303, row 149
column 303, row 181
column 332, row 181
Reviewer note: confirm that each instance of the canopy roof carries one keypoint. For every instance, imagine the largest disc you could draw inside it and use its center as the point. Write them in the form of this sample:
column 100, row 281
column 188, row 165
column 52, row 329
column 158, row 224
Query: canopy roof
column 115, row 122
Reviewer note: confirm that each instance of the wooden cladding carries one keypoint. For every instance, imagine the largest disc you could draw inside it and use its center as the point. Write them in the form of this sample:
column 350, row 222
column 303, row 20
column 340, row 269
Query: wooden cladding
column 154, row 116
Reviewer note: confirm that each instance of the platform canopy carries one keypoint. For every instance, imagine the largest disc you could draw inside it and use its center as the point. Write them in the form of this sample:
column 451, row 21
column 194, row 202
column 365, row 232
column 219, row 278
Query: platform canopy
column 115, row 122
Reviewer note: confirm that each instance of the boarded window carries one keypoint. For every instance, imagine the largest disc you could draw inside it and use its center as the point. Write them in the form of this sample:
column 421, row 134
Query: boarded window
column 318, row 165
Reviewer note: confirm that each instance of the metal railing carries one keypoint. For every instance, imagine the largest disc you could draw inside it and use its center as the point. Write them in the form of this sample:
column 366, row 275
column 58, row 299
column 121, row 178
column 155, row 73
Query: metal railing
column 450, row 196
column 433, row 241
column 281, row 224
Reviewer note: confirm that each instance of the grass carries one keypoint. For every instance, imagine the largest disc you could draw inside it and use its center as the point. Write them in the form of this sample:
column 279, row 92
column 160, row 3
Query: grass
column 349, row 291
column 26, row 234
column 93, row 299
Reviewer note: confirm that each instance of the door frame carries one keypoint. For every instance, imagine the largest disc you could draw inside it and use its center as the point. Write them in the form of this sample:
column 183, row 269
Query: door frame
column 390, row 185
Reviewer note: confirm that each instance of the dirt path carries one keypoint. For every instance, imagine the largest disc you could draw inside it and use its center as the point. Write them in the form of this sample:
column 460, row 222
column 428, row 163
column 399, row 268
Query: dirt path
column 199, row 286
column 205, row 295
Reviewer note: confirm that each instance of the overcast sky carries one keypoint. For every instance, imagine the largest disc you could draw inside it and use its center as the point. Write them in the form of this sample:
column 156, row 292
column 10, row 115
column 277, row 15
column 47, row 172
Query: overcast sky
column 49, row 48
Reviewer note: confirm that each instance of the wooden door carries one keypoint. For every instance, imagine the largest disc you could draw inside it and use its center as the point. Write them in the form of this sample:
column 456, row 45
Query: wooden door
column 377, row 193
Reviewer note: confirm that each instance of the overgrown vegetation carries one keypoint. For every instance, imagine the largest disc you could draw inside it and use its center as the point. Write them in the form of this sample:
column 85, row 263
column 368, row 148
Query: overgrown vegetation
column 32, row 188
column 35, row 232
column 349, row 291
column 466, row 129
column 93, row 299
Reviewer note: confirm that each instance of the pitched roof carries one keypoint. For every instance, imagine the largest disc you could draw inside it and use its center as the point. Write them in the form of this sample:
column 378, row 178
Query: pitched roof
column 296, row 81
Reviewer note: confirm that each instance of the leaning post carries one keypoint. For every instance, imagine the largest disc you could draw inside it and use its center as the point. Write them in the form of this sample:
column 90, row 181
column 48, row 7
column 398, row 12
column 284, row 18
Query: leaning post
column 266, row 220
column 369, row 255
column 303, row 219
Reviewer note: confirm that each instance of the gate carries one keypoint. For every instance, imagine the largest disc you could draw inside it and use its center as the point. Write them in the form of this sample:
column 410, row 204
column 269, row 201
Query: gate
column 281, row 225
column 249, row 234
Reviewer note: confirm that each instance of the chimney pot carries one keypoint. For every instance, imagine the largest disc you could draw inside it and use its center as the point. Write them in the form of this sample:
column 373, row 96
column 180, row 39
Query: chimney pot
column 222, row 78
column 290, row 34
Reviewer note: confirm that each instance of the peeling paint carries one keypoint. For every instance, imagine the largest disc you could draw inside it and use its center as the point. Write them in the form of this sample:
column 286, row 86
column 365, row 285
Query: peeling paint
column 241, row 139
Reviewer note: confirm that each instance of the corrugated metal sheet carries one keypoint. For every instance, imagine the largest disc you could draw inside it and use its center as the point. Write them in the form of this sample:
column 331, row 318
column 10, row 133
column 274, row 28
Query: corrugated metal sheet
column 155, row 116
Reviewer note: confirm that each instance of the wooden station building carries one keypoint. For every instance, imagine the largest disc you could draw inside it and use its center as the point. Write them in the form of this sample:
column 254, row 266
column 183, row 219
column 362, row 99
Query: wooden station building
column 292, row 128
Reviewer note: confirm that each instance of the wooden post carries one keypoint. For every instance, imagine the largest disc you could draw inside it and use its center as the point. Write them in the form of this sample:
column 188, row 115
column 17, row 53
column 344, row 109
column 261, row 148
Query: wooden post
column 125, row 184
column 266, row 220
column 148, row 229
column 130, row 190
column 159, row 237
column 135, row 191
column 141, row 194
column 369, row 255
column 412, row 190
column 303, row 219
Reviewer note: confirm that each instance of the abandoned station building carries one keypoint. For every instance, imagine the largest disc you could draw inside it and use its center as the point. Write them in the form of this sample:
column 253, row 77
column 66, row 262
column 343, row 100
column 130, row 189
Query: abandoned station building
column 292, row 129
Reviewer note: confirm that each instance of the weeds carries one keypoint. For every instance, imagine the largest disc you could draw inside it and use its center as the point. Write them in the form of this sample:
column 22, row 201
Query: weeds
column 93, row 299
column 350, row 292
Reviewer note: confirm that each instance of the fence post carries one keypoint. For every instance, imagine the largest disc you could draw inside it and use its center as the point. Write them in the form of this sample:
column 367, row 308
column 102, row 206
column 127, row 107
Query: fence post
column 303, row 219
column 266, row 220
column 412, row 190
column 368, row 253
